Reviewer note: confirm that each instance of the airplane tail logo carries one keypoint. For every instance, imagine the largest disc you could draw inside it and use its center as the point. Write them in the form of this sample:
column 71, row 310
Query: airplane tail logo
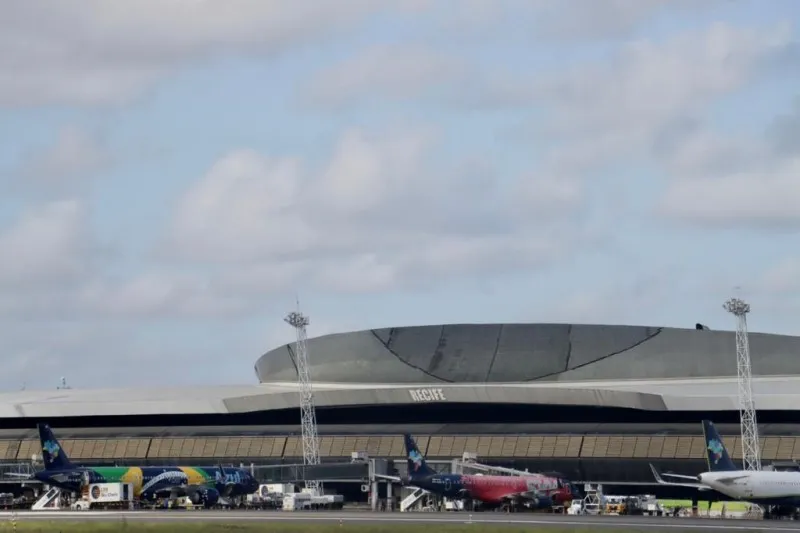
column 716, row 454
column 417, row 467
column 416, row 459
column 54, row 456
column 52, row 448
column 716, row 448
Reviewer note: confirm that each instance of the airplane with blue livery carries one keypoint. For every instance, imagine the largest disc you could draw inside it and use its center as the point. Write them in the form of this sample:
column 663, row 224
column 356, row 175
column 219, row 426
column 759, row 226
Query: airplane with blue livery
column 202, row 485
column 537, row 491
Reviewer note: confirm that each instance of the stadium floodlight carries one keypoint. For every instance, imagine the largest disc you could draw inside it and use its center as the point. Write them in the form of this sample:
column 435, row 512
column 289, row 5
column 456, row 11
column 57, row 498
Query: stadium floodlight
column 751, row 452
column 308, row 418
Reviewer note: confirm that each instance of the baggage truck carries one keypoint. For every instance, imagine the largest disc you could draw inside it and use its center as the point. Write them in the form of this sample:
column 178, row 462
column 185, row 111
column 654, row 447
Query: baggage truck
column 105, row 495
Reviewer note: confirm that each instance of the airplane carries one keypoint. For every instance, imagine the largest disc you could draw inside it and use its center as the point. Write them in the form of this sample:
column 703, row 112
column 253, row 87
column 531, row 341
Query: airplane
column 777, row 491
column 538, row 491
column 202, row 485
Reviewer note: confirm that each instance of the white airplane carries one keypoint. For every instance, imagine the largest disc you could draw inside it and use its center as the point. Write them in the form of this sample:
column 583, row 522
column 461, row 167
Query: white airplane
column 768, row 488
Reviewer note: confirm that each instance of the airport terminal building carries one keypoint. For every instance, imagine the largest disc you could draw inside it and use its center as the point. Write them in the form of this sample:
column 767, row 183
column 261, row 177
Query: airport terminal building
column 593, row 402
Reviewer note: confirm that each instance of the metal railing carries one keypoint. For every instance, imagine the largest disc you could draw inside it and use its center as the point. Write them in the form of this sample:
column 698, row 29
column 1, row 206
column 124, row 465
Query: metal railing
column 16, row 471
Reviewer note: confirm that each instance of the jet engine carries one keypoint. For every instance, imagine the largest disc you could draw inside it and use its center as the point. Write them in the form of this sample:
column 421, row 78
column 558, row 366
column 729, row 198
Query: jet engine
column 542, row 502
column 207, row 497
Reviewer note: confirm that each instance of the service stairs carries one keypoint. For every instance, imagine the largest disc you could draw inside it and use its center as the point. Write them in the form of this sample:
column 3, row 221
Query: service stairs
column 412, row 499
column 49, row 500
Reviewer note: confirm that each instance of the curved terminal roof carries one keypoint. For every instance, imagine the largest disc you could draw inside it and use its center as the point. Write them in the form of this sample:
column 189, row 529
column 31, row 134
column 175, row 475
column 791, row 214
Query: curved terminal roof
column 500, row 353
column 771, row 393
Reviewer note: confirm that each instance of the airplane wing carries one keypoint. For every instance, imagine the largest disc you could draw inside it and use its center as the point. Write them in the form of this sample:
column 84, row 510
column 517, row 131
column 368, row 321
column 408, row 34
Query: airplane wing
column 679, row 476
column 522, row 495
column 661, row 481
column 171, row 484
column 177, row 491
column 396, row 479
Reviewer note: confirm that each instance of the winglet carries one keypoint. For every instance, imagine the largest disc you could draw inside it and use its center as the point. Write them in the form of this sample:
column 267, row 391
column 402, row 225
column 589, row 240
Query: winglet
column 656, row 475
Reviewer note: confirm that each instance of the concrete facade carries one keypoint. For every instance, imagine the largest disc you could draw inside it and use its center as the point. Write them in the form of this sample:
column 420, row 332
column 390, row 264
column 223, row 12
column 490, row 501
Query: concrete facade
column 512, row 353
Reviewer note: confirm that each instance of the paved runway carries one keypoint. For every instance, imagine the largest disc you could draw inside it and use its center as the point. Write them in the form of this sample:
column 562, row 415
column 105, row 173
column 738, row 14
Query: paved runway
column 539, row 520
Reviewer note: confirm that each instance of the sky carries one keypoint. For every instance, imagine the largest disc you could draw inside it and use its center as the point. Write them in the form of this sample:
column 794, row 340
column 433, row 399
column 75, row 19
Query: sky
column 175, row 174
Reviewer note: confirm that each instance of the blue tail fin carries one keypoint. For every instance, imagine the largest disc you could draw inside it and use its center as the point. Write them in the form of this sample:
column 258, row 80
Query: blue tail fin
column 716, row 454
column 417, row 467
column 53, row 455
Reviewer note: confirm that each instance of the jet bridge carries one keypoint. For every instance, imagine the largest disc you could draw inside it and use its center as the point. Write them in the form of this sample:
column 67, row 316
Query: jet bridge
column 469, row 464
column 354, row 471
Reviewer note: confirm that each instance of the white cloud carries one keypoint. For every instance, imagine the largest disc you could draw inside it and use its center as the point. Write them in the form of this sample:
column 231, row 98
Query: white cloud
column 648, row 107
column 377, row 214
column 769, row 196
column 241, row 210
column 591, row 115
column 45, row 245
column 649, row 84
column 591, row 19
column 547, row 21
column 367, row 173
column 384, row 72
column 695, row 153
column 644, row 78
column 725, row 180
column 96, row 52
column 74, row 157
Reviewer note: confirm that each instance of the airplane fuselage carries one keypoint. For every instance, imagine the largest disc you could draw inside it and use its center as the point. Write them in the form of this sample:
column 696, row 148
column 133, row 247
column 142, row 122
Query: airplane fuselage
column 147, row 481
column 762, row 487
column 542, row 490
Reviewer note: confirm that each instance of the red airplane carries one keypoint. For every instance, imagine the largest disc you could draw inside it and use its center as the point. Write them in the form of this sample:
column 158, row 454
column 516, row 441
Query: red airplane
column 534, row 490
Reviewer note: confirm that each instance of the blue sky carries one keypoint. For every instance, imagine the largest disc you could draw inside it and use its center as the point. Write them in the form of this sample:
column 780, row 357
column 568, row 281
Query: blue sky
column 174, row 175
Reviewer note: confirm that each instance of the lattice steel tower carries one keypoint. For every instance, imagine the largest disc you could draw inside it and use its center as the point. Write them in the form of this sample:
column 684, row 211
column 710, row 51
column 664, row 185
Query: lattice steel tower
column 751, row 452
column 308, row 417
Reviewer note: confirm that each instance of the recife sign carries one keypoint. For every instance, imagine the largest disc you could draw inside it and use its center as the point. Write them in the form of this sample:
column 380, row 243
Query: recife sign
column 427, row 395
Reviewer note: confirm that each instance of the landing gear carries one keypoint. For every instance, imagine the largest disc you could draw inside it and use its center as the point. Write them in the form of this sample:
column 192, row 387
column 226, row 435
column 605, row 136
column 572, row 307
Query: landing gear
column 781, row 512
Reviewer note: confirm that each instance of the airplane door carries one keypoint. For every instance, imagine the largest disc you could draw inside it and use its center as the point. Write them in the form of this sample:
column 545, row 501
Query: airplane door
column 447, row 485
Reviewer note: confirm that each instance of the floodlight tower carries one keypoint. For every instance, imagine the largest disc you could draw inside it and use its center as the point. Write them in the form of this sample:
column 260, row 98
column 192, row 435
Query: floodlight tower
column 751, row 453
column 308, row 417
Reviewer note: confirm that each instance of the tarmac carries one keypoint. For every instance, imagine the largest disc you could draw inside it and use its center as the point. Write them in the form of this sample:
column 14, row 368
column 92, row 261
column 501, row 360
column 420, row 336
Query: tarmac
column 541, row 521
